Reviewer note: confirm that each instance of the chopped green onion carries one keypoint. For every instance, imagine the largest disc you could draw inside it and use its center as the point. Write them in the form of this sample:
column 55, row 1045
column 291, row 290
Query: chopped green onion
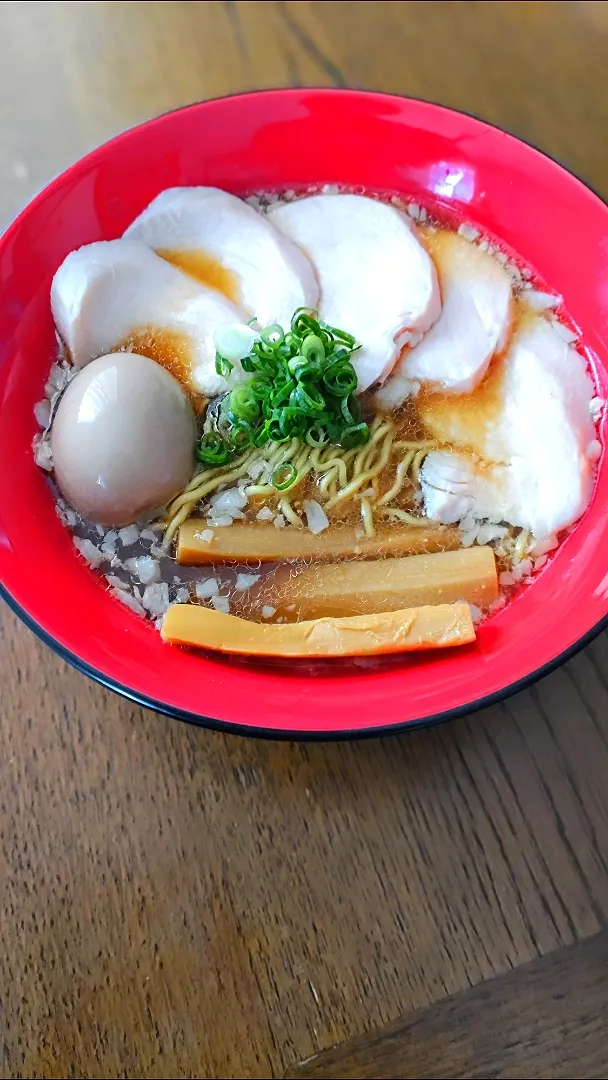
column 299, row 366
column 339, row 355
column 347, row 412
column 243, row 403
column 308, row 398
column 301, row 385
column 340, row 379
column 234, row 341
column 212, row 450
column 281, row 395
column 222, row 365
column 283, row 352
column 341, row 335
column 260, row 387
column 303, row 322
column 241, row 436
column 354, row 435
column 263, row 435
column 264, row 360
column 284, row 476
column 293, row 422
column 273, row 335
column 248, row 364
column 275, row 430
column 313, row 349
column 316, row 436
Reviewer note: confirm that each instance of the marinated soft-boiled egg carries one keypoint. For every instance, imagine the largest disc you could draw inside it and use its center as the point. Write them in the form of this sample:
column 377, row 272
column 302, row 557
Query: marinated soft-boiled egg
column 228, row 245
column 118, row 292
column 123, row 439
column 377, row 279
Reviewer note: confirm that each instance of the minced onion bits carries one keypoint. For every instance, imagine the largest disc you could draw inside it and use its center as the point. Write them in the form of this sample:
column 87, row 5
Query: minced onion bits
column 302, row 386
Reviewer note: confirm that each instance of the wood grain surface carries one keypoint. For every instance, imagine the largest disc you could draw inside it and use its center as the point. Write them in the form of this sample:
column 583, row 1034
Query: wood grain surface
column 547, row 1019
column 187, row 904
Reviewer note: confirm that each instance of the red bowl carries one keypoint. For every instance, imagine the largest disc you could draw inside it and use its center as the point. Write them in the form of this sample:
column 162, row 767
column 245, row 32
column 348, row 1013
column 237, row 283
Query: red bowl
column 283, row 139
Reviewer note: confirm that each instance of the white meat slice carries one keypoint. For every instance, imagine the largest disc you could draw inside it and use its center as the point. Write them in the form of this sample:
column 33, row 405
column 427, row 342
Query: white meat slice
column 377, row 279
column 457, row 486
column 533, row 429
column 108, row 293
column 272, row 275
column 474, row 323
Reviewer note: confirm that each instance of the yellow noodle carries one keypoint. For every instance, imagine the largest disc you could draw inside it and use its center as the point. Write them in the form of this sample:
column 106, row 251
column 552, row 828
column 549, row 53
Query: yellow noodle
column 328, row 485
column 342, row 474
column 328, row 457
column 327, row 482
column 400, row 478
column 274, row 455
column 417, row 462
column 284, row 451
column 288, row 512
column 405, row 444
column 303, row 457
column 349, row 456
column 260, row 490
column 363, row 477
column 368, row 517
column 178, row 519
column 335, row 464
column 316, row 454
column 372, row 449
column 303, row 466
column 301, row 474
column 194, row 493
column 402, row 515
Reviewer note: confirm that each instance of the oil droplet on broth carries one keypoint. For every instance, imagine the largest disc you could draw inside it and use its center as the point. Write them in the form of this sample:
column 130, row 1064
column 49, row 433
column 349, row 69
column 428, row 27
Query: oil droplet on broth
column 205, row 269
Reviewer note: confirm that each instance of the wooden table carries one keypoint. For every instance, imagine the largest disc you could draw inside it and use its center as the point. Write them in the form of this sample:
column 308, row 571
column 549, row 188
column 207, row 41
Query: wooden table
column 187, row 904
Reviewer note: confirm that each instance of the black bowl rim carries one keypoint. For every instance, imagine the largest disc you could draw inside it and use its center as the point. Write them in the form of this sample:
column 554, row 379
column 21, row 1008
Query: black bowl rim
column 284, row 734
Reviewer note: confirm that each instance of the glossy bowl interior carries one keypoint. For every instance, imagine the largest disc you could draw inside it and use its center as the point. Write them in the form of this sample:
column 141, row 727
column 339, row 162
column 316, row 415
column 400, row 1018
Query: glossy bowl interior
column 290, row 139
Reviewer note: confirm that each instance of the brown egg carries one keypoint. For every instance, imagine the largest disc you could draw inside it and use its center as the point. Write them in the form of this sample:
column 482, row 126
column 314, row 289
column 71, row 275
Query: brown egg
column 123, row 439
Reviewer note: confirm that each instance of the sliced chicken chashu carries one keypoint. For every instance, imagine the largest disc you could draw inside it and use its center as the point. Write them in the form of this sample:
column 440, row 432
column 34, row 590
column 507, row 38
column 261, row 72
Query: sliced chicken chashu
column 525, row 439
column 228, row 245
column 457, row 486
column 118, row 292
column 377, row 279
column 474, row 323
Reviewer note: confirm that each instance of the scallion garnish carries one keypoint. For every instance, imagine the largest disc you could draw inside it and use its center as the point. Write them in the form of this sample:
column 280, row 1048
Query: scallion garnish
column 302, row 386
column 354, row 435
column 243, row 403
column 212, row 450
column 284, row 476
column 316, row 436
column 222, row 365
